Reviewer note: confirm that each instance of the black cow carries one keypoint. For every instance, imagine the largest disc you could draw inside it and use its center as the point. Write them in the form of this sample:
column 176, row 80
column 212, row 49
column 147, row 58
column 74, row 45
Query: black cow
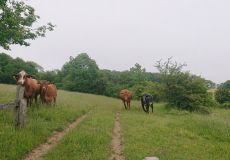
column 146, row 102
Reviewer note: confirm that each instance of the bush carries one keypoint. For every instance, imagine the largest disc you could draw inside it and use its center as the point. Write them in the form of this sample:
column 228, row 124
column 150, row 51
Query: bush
column 226, row 105
column 184, row 90
column 153, row 88
column 222, row 95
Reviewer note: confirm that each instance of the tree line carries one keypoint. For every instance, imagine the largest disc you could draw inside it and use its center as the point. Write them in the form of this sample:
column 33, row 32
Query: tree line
column 179, row 89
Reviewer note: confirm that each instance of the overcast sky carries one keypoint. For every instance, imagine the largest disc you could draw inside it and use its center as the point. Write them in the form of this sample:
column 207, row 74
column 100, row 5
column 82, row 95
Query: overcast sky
column 119, row 33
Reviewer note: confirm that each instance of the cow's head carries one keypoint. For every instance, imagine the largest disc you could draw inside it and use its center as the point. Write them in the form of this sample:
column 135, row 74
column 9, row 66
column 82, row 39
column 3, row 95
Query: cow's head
column 21, row 77
column 43, row 86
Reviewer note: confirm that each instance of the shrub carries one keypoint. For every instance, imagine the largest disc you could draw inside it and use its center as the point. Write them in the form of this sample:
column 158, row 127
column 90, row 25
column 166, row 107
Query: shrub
column 222, row 95
column 153, row 88
column 182, row 89
column 226, row 105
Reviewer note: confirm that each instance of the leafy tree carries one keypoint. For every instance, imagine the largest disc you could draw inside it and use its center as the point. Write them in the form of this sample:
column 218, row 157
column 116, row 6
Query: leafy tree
column 138, row 74
column 210, row 84
column 222, row 94
column 16, row 24
column 10, row 66
column 182, row 89
column 81, row 74
column 225, row 85
column 154, row 88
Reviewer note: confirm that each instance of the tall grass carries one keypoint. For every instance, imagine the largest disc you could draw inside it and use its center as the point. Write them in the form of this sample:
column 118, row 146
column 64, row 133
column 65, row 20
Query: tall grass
column 91, row 140
column 167, row 134
column 176, row 134
column 41, row 121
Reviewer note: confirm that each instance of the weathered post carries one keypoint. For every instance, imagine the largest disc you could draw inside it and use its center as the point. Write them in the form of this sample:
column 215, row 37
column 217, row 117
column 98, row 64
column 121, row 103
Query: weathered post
column 20, row 107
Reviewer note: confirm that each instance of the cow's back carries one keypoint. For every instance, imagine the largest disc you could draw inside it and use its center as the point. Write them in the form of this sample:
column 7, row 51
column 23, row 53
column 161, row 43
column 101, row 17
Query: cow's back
column 30, row 87
column 51, row 91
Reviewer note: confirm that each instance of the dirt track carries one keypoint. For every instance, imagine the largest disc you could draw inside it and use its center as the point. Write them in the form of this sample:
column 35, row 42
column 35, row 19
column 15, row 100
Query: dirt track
column 42, row 149
column 117, row 141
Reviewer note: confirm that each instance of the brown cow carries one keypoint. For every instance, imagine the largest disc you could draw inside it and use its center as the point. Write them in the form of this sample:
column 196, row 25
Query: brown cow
column 44, row 84
column 32, row 88
column 126, row 97
column 48, row 93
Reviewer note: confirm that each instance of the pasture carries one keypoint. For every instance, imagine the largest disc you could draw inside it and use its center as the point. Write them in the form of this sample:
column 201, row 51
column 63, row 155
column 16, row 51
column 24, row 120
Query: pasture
column 167, row 134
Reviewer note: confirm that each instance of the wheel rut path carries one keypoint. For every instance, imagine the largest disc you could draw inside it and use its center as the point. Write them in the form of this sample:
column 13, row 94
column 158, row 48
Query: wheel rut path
column 116, row 144
column 42, row 149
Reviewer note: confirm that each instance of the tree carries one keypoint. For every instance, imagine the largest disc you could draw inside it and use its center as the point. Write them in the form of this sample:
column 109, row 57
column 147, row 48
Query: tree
column 225, row 85
column 222, row 94
column 154, row 88
column 16, row 24
column 138, row 74
column 10, row 66
column 81, row 74
column 182, row 89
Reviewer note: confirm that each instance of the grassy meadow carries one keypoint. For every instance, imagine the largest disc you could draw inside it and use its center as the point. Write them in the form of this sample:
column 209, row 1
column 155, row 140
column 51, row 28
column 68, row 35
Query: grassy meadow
column 41, row 121
column 167, row 134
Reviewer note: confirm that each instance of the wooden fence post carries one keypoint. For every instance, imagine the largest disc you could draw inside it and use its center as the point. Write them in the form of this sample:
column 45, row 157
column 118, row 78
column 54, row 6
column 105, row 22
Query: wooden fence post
column 20, row 107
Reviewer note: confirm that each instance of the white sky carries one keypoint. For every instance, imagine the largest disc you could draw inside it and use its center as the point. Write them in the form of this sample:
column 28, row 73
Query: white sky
column 119, row 33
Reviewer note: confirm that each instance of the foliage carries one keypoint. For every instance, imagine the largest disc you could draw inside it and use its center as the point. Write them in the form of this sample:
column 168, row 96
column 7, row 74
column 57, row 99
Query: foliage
column 226, row 105
column 81, row 74
column 210, row 84
column 154, row 88
column 138, row 74
column 16, row 24
column 222, row 95
column 225, row 85
column 10, row 66
column 182, row 89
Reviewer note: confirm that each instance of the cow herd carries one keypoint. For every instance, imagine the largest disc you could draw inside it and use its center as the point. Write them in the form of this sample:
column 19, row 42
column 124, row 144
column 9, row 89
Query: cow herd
column 146, row 100
column 48, row 92
column 34, row 88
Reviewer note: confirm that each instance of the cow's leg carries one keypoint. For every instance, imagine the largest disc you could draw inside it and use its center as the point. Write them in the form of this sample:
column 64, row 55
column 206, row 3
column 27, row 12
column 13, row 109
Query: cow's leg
column 147, row 108
column 36, row 98
column 125, row 104
column 31, row 101
column 129, row 104
column 152, row 107
column 143, row 107
column 54, row 101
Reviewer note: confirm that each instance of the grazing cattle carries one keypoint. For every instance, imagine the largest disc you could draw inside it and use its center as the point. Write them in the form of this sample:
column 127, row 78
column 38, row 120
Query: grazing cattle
column 43, row 84
column 32, row 88
column 146, row 102
column 126, row 97
column 48, row 93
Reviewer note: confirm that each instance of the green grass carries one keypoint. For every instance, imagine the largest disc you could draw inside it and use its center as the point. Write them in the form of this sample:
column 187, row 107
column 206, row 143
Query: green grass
column 167, row 134
column 176, row 134
column 41, row 121
column 91, row 140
